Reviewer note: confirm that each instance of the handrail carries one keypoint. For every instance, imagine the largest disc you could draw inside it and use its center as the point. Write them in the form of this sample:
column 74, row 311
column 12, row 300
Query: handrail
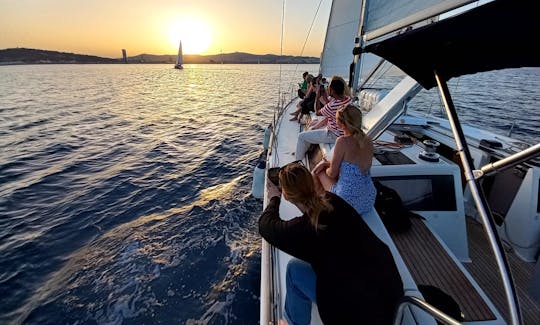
column 480, row 202
column 508, row 162
column 439, row 315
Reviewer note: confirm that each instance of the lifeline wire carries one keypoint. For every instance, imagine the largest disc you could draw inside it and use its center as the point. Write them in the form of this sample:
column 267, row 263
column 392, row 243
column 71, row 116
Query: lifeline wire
column 278, row 108
column 309, row 33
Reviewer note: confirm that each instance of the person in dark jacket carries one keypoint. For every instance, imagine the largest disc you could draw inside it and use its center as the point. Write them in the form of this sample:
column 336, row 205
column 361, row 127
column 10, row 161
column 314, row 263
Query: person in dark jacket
column 353, row 272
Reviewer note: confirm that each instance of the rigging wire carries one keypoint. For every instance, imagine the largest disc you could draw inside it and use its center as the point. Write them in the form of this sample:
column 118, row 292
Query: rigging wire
column 440, row 105
column 278, row 111
column 280, row 107
column 309, row 33
column 379, row 75
column 281, row 45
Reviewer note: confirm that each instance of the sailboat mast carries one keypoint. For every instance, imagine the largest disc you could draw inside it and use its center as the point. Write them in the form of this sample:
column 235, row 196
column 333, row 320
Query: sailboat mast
column 355, row 69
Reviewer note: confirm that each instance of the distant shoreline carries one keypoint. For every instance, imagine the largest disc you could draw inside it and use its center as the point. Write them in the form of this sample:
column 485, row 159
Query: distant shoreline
column 135, row 63
column 24, row 56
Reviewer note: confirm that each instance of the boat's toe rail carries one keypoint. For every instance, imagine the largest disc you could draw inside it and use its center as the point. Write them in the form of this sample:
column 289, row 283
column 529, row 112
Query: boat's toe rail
column 429, row 263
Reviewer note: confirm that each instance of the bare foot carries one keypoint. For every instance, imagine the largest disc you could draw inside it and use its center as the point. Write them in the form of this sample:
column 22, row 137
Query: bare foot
column 283, row 322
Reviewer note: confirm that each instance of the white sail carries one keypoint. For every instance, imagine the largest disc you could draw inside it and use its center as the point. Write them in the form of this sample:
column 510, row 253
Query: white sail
column 340, row 36
column 179, row 59
column 385, row 16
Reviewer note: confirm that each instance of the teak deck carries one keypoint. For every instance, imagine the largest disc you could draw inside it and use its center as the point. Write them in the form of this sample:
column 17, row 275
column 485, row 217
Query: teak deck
column 485, row 271
column 429, row 263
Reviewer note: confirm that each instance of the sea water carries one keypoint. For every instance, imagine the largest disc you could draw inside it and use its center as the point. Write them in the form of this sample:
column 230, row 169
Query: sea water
column 125, row 189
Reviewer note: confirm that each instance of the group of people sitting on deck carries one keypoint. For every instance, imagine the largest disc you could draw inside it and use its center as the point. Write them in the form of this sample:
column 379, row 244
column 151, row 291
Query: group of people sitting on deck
column 348, row 173
column 313, row 94
column 339, row 262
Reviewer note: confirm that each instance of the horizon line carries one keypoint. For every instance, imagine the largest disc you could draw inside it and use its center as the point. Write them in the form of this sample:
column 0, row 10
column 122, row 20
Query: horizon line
column 62, row 51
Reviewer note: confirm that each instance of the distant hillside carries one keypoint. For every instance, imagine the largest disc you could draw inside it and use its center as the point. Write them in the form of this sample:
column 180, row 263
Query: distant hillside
column 34, row 56
column 237, row 57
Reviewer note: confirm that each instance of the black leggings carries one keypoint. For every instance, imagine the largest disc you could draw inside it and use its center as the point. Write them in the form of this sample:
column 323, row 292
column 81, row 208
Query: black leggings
column 308, row 104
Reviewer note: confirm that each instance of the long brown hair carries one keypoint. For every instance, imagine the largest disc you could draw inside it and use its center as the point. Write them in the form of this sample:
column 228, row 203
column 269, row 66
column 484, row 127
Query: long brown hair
column 297, row 184
column 351, row 117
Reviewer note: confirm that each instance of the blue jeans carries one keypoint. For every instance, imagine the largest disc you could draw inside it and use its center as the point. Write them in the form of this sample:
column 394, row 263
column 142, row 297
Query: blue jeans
column 300, row 292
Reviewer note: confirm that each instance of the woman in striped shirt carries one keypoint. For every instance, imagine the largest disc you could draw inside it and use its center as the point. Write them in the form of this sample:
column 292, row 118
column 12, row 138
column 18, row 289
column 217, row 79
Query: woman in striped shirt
column 326, row 129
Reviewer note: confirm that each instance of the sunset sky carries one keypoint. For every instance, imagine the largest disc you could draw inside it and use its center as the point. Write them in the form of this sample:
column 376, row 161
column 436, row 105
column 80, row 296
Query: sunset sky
column 104, row 27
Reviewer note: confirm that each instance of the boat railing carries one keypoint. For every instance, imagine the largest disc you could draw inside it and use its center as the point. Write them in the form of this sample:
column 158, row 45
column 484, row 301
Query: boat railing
column 431, row 310
column 508, row 162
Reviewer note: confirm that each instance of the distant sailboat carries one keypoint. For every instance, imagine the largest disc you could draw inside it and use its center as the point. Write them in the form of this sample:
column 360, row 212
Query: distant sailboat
column 179, row 59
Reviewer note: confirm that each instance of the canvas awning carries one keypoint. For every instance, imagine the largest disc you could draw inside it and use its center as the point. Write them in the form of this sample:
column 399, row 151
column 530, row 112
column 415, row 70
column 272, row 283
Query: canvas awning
column 498, row 35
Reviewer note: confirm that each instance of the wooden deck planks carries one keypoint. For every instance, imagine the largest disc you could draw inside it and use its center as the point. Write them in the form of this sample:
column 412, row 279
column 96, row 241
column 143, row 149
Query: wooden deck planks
column 429, row 264
column 485, row 271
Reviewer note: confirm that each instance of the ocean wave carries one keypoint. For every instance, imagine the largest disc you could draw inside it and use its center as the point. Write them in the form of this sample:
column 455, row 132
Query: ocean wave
column 151, row 265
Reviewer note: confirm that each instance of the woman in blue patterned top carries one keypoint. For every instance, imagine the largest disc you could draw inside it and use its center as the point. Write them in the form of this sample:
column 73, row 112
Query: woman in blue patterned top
column 348, row 173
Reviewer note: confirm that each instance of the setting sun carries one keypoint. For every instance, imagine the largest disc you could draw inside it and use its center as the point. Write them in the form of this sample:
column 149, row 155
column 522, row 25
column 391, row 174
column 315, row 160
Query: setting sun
column 194, row 34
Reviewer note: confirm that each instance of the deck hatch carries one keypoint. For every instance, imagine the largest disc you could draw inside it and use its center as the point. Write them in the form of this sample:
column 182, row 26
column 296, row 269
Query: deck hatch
column 393, row 158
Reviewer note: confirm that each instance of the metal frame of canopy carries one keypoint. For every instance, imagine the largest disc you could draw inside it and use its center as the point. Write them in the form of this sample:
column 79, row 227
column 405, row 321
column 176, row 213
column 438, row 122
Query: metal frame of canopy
column 480, row 202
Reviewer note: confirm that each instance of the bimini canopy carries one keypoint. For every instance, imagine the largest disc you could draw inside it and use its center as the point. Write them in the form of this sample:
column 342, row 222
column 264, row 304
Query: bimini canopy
column 498, row 35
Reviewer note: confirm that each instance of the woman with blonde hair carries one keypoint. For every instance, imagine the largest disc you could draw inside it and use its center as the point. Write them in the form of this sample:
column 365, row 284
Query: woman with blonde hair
column 339, row 262
column 348, row 173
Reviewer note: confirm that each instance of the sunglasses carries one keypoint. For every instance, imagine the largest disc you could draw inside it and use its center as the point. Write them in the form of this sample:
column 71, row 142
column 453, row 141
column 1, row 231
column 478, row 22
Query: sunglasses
column 296, row 162
column 273, row 173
